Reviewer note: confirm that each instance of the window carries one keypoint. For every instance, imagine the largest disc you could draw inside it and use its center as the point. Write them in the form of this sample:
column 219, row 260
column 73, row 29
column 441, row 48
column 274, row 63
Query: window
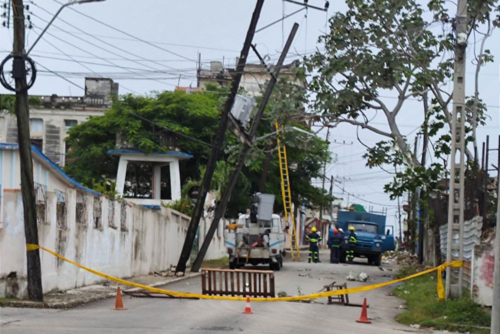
column 69, row 123
column 38, row 143
column 36, row 125
column 360, row 227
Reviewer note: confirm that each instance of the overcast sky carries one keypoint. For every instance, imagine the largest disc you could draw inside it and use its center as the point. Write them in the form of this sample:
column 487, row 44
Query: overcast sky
column 216, row 29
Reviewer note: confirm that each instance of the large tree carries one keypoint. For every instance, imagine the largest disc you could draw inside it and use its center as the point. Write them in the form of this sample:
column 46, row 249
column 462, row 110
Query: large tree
column 143, row 123
column 388, row 47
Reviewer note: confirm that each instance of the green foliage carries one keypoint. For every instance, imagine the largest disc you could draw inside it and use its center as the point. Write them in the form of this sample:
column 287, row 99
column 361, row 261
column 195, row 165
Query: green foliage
column 197, row 115
column 7, row 102
column 183, row 205
column 424, row 308
column 383, row 46
column 107, row 189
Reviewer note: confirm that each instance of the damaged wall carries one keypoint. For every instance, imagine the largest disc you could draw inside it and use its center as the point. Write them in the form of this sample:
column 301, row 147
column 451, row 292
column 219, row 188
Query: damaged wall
column 136, row 240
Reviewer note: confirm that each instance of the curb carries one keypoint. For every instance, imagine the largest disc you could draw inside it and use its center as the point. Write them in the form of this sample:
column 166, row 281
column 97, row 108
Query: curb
column 75, row 303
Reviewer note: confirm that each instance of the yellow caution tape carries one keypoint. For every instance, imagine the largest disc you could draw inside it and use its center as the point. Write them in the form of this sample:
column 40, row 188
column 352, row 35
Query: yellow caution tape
column 439, row 269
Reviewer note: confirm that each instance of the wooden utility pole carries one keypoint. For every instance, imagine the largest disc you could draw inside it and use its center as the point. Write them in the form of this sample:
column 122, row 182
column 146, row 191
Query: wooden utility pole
column 221, row 207
column 35, row 291
column 457, row 189
column 218, row 143
column 324, row 176
column 265, row 169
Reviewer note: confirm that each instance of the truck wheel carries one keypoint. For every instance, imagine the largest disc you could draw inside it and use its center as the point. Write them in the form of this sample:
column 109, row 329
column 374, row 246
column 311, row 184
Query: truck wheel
column 378, row 260
column 274, row 266
column 280, row 261
column 284, row 253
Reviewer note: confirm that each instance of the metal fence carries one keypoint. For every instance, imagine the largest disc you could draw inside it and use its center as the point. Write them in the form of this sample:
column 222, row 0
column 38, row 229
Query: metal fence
column 225, row 282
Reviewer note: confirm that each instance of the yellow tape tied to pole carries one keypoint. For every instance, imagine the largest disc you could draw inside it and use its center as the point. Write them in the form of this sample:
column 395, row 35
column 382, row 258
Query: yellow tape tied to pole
column 439, row 269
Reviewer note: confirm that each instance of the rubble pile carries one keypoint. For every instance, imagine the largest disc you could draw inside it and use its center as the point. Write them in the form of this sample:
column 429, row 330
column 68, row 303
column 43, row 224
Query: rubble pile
column 401, row 258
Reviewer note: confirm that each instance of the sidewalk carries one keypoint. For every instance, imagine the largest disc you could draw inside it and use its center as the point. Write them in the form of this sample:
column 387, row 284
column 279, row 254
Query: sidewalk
column 76, row 297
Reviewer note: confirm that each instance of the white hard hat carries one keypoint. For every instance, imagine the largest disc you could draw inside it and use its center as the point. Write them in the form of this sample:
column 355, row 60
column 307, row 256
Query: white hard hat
column 341, row 230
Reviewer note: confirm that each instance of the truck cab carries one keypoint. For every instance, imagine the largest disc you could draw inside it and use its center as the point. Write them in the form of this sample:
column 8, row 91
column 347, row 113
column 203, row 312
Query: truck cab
column 372, row 238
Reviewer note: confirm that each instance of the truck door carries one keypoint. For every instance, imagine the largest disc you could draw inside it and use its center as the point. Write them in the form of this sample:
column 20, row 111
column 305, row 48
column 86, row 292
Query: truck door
column 388, row 239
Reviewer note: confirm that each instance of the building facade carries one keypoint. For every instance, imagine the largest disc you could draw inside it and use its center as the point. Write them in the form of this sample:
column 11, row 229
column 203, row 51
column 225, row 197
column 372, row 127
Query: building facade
column 54, row 116
column 253, row 80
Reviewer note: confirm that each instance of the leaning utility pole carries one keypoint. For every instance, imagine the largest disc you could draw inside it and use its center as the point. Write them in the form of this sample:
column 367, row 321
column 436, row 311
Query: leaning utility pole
column 221, row 207
column 35, row 291
column 495, row 312
column 324, row 176
column 456, row 190
column 218, row 143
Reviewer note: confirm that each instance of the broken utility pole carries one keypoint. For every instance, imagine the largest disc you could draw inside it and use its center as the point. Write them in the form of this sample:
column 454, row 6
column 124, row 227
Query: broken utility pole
column 221, row 207
column 35, row 291
column 218, row 142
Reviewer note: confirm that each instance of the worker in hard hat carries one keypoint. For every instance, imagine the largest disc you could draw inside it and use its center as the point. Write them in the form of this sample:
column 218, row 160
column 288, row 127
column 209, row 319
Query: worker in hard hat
column 351, row 244
column 334, row 243
column 313, row 239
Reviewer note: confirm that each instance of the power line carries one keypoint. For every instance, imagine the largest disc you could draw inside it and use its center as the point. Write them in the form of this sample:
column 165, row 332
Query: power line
column 125, row 33
column 94, row 37
column 77, row 47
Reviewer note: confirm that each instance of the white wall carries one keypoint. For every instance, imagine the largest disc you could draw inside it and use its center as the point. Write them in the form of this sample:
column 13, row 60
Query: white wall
column 142, row 241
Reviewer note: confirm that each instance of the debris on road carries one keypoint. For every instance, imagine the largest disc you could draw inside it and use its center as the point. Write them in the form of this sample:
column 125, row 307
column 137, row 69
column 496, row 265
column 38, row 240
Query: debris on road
column 362, row 277
column 401, row 257
column 351, row 276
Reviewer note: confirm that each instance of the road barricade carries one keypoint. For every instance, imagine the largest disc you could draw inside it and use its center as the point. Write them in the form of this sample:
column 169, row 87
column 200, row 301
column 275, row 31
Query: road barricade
column 225, row 282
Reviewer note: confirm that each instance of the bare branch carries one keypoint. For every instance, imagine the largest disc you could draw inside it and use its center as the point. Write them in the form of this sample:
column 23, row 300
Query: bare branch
column 364, row 126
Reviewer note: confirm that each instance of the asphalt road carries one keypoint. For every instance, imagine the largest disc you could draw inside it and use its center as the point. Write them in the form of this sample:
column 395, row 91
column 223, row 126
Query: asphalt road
column 144, row 315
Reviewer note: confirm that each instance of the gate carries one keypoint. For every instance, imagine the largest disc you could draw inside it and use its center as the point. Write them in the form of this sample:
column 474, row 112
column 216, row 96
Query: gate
column 226, row 282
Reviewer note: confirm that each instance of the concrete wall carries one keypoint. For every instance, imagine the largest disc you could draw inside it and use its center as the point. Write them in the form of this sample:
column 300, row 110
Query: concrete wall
column 115, row 237
column 483, row 266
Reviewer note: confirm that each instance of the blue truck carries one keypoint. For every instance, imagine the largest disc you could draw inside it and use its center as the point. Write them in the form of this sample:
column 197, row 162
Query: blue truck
column 372, row 237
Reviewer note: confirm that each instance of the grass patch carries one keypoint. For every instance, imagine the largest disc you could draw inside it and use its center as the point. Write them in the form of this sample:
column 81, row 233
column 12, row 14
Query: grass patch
column 425, row 308
column 219, row 263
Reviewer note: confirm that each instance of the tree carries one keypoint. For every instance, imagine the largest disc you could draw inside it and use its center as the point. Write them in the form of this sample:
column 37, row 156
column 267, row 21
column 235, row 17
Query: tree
column 197, row 115
column 386, row 47
column 143, row 123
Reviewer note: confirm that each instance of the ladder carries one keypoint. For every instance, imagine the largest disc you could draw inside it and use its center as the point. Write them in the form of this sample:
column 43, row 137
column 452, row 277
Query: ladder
column 286, row 193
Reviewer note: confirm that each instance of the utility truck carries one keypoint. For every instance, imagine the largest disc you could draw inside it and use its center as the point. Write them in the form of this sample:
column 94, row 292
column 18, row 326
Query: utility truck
column 372, row 237
column 257, row 237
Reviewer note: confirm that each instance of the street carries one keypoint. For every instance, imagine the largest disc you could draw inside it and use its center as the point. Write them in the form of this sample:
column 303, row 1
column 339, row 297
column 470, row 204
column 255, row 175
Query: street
column 147, row 315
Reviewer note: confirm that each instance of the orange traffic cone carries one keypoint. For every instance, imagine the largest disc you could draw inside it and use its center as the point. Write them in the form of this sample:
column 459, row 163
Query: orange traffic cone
column 119, row 301
column 364, row 316
column 248, row 309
